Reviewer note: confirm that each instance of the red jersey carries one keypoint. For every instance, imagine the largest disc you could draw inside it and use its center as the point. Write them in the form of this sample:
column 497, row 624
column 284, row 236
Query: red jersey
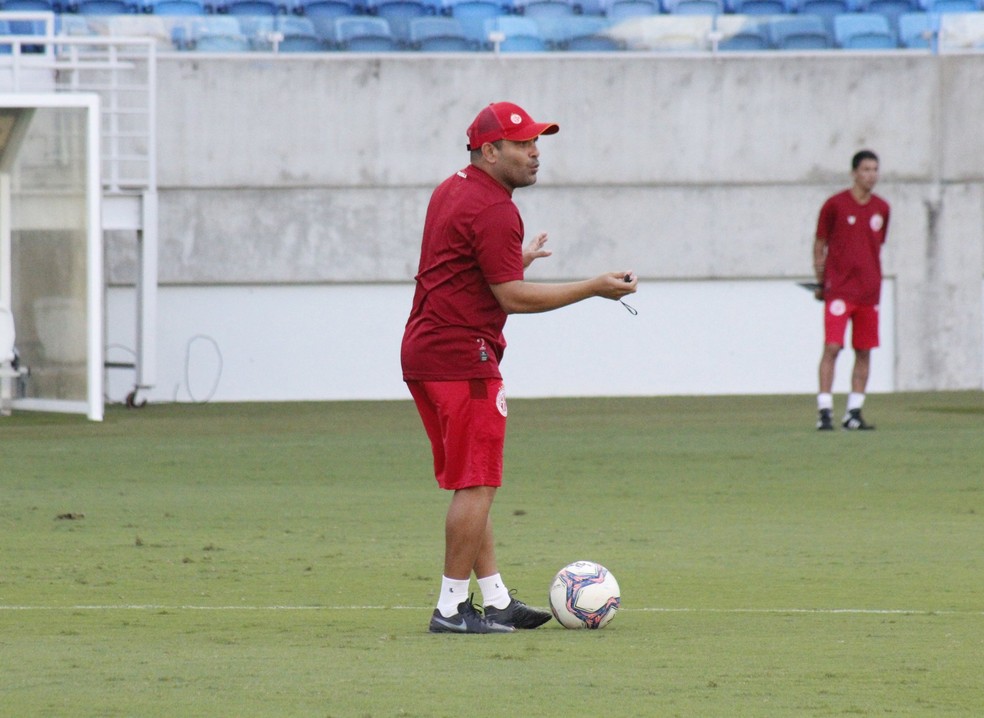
column 473, row 237
column 854, row 234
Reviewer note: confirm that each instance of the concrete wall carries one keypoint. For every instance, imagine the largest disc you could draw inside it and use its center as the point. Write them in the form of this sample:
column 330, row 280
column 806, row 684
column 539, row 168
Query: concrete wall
column 316, row 171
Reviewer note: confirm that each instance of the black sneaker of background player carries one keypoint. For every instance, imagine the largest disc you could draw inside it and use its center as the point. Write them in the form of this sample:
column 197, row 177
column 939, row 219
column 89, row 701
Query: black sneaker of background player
column 853, row 421
column 517, row 614
column 466, row 620
column 824, row 422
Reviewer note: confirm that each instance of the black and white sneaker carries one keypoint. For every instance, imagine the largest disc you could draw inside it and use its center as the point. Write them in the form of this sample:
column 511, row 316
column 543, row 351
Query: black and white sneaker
column 853, row 421
column 517, row 614
column 466, row 620
column 824, row 422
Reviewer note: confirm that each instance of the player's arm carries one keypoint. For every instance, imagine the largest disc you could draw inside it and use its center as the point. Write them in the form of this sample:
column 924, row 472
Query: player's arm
column 819, row 263
column 522, row 297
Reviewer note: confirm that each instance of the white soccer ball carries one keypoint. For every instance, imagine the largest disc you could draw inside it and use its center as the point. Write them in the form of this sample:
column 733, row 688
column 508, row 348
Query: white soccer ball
column 584, row 594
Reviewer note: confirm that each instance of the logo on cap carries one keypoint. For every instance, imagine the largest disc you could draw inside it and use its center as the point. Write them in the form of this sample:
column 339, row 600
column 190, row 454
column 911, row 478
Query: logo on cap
column 516, row 119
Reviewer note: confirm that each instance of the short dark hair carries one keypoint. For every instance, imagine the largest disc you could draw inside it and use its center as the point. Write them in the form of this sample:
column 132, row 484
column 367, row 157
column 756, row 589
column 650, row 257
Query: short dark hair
column 861, row 156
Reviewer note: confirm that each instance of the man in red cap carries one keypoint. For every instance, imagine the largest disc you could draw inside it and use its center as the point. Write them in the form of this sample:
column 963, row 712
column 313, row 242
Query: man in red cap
column 469, row 279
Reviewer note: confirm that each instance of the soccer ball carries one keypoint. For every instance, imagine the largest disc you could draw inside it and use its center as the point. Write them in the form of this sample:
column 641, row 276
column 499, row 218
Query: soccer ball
column 584, row 594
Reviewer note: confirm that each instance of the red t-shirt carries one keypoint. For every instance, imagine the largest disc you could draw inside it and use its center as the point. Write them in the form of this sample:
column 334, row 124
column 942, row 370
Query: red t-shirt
column 473, row 237
column 854, row 234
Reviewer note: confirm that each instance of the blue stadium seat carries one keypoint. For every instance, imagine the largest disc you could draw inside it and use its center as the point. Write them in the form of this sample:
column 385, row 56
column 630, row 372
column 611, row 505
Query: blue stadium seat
column 863, row 31
column 175, row 7
column 589, row 7
column 30, row 6
column 543, row 8
column 216, row 33
column 744, row 35
column 284, row 33
column 104, row 7
column 759, row 7
column 694, row 7
column 407, row 9
column 619, row 10
column 800, row 32
column 579, row 33
column 364, row 34
column 891, row 9
column 439, row 34
column 472, row 15
column 917, row 29
column 327, row 8
column 521, row 34
column 826, row 9
column 249, row 8
column 946, row 6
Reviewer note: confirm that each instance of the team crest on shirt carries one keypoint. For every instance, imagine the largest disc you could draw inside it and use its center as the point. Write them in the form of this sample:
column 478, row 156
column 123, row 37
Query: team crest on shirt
column 837, row 307
column 851, row 220
column 877, row 222
column 500, row 400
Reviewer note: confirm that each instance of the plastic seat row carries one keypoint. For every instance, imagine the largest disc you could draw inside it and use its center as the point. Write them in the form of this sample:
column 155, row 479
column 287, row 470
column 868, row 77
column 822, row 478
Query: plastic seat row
column 612, row 9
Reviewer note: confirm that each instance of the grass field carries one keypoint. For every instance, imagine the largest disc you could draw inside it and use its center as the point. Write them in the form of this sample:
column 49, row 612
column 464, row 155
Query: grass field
column 282, row 560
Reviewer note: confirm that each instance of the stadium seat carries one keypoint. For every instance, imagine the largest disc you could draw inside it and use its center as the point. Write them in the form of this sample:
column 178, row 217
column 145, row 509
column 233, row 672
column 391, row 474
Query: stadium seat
column 961, row 31
column 439, row 34
column 176, row 7
column 543, row 8
column 327, row 8
column 30, row 6
column 520, row 34
column 863, row 31
column 283, row 33
column 739, row 33
column 364, row 34
column 216, row 33
column 800, row 32
column 247, row 8
column 826, row 9
column 593, row 8
column 891, row 9
column 619, row 10
column 577, row 33
column 759, row 7
column 917, row 29
column 694, row 7
column 472, row 15
column 104, row 7
column 948, row 6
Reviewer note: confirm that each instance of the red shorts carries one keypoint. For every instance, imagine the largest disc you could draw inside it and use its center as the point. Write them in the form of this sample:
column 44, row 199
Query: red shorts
column 466, row 424
column 864, row 323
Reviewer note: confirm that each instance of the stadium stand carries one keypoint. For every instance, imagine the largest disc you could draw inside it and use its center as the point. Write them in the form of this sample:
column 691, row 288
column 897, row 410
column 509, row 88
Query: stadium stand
column 30, row 6
column 248, row 8
column 577, row 33
column 961, row 32
column 215, row 33
column 282, row 33
column 864, row 31
column 103, row 7
column 327, row 8
column 948, row 6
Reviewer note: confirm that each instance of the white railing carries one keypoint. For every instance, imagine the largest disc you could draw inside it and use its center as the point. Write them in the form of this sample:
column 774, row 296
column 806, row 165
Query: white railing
column 121, row 70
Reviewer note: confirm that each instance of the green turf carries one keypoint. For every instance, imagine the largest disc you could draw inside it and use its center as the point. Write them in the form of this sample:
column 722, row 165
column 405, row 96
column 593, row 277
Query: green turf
column 282, row 560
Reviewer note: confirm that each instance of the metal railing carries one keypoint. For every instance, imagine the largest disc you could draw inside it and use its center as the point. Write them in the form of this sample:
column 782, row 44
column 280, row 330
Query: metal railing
column 121, row 70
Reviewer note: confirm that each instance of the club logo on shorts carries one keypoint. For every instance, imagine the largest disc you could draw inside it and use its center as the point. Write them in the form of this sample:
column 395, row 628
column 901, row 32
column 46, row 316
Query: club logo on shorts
column 877, row 222
column 500, row 400
column 837, row 307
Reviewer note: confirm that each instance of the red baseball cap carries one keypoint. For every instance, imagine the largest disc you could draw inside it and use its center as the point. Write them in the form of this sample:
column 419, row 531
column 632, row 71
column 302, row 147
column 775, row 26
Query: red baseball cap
column 506, row 121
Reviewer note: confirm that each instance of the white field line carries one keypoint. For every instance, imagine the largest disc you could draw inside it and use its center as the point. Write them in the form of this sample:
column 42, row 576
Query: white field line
column 775, row 611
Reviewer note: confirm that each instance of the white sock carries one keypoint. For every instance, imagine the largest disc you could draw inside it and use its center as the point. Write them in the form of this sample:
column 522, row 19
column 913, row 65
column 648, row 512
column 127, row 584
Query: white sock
column 494, row 591
column 854, row 401
column 453, row 592
column 825, row 401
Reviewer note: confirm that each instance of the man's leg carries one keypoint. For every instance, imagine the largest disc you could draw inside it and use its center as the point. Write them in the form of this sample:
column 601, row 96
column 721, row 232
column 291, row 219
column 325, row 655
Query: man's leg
column 862, row 366
column 825, row 399
column 468, row 541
